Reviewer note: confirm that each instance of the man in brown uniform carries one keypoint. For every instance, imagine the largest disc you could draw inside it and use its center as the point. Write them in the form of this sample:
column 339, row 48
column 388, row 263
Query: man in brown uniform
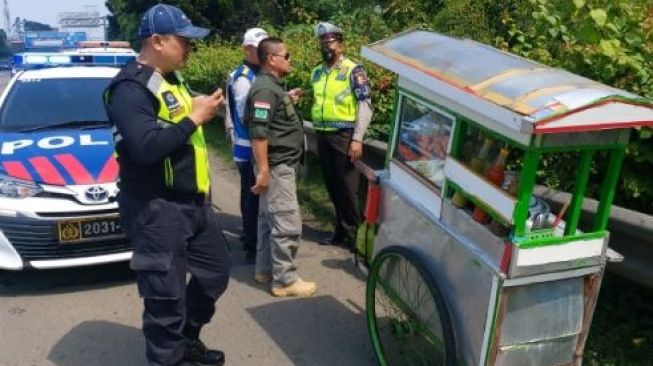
column 277, row 137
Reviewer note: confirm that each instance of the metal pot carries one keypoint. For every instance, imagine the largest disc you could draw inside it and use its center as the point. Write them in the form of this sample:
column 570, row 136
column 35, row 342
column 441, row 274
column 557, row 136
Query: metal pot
column 539, row 214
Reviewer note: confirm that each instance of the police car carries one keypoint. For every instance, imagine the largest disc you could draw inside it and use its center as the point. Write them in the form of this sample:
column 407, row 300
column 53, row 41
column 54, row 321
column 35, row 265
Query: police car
column 57, row 169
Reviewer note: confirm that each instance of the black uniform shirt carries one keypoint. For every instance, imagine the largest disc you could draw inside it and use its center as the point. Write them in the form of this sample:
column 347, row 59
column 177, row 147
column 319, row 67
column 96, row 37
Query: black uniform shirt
column 132, row 109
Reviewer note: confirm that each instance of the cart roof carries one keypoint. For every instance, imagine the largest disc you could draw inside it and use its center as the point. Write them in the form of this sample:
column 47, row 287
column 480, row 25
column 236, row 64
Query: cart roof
column 549, row 100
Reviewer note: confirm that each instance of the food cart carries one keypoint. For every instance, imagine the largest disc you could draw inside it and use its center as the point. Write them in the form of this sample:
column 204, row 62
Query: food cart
column 466, row 265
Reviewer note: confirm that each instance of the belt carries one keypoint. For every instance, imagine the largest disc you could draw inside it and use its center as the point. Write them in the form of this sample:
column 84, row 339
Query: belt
column 333, row 124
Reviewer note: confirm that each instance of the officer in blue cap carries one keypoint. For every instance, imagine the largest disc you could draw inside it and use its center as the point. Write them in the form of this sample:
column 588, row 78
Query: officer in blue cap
column 164, row 185
column 341, row 113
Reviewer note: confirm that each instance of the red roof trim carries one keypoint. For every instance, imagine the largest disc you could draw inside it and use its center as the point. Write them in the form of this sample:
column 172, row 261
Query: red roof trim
column 584, row 128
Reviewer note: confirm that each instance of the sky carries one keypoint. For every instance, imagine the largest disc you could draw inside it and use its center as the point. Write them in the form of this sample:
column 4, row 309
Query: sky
column 45, row 11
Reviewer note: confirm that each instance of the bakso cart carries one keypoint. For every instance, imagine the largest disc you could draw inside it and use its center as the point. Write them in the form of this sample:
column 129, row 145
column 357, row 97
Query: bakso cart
column 466, row 265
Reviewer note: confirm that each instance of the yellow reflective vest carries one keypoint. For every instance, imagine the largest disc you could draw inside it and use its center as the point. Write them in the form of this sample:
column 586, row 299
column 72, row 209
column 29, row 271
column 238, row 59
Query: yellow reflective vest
column 334, row 102
column 186, row 170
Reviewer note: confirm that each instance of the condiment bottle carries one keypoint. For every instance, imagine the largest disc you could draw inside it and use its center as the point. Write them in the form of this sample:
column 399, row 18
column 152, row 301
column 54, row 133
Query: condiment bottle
column 495, row 175
column 510, row 182
column 477, row 164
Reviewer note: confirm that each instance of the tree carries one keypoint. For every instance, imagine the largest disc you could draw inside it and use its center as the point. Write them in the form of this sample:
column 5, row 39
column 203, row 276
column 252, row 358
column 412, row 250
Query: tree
column 227, row 18
column 5, row 50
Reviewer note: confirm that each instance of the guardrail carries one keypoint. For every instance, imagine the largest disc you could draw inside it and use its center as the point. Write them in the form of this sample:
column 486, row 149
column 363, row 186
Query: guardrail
column 631, row 232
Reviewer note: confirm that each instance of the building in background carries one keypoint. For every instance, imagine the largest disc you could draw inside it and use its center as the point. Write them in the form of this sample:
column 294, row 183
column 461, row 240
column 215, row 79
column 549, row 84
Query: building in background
column 88, row 21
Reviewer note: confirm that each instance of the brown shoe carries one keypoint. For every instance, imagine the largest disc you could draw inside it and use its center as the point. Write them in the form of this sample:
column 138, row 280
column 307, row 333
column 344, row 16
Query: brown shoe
column 263, row 278
column 299, row 288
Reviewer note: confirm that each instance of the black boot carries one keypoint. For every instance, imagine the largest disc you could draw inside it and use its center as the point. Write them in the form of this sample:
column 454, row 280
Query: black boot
column 335, row 239
column 198, row 353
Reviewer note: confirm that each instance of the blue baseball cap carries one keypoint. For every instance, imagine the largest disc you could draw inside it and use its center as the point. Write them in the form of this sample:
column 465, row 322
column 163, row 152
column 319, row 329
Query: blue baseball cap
column 168, row 19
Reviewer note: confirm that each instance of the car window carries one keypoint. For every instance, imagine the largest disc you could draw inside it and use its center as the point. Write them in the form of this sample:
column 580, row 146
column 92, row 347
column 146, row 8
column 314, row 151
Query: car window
column 41, row 102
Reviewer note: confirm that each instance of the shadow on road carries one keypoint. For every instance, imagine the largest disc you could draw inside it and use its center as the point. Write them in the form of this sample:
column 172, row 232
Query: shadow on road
column 314, row 341
column 100, row 343
column 56, row 281
column 346, row 265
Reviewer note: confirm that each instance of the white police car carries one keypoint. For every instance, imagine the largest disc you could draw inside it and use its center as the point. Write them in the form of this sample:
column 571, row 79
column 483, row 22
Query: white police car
column 57, row 169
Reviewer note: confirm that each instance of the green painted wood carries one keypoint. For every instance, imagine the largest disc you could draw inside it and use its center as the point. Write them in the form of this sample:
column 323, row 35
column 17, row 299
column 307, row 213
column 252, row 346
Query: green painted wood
column 573, row 214
column 396, row 110
column 458, row 138
column 558, row 240
column 525, row 191
column 608, row 189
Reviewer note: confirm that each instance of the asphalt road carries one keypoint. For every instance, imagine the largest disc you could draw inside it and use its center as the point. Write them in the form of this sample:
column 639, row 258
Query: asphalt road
column 90, row 316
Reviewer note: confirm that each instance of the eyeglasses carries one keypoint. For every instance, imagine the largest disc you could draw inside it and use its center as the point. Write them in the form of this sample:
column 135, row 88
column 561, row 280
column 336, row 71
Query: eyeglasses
column 286, row 56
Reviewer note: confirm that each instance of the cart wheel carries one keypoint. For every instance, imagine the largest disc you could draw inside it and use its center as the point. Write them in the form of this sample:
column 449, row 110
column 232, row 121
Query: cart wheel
column 407, row 317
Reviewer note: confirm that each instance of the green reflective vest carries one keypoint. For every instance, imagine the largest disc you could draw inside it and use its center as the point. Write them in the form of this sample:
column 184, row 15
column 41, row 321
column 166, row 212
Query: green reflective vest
column 187, row 168
column 334, row 103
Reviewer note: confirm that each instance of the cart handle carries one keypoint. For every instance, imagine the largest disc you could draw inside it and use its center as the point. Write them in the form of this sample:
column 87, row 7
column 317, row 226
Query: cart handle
column 367, row 171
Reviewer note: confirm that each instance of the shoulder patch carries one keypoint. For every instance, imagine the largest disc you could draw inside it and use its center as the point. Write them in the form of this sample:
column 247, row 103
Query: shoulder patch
column 170, row 100
column 261, row 110
column 261, row 104
column 317, row 73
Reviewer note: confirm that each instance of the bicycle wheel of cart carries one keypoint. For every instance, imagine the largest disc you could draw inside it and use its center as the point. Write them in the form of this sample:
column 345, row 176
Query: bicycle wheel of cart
column 407, row 316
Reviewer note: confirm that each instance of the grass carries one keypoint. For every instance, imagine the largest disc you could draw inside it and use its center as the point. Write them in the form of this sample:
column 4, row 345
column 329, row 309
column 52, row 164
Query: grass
column 622, row 327
column 216, row 139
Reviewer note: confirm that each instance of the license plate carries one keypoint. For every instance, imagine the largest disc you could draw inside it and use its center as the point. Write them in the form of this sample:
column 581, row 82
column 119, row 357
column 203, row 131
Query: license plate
column 72, row 231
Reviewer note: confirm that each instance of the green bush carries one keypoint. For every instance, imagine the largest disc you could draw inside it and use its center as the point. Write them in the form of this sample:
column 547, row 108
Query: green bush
column 604, row 40
column 211, row 64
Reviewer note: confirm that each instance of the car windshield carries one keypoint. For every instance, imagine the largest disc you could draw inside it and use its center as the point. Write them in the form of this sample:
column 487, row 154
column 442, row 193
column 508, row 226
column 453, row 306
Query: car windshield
column 39, row 103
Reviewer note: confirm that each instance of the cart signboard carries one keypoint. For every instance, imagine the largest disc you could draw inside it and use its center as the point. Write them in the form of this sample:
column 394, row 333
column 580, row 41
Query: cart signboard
column 467, row 265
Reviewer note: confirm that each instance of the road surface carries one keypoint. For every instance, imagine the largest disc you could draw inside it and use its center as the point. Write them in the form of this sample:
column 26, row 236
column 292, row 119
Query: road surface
column 90, row 316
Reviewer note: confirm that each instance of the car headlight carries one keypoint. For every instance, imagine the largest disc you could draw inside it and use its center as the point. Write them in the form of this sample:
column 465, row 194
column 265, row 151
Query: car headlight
column 17, row 188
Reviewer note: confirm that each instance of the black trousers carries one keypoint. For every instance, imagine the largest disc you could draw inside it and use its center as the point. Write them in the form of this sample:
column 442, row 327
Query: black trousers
column 170, row 238
column 248, row 204
column 341, row 179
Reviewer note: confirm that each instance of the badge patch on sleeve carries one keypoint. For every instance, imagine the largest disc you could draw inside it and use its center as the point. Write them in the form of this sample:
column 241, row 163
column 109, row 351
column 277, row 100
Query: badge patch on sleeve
column 261, row 110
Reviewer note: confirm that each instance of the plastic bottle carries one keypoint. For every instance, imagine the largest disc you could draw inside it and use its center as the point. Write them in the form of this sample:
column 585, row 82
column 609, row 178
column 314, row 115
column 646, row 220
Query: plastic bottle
column 495, row 175
column 477, row 164
column 510, row 183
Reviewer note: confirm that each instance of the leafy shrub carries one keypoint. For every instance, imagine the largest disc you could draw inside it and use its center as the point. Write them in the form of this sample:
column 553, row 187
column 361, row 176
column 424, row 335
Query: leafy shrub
column 211, row 64
column 604, row 40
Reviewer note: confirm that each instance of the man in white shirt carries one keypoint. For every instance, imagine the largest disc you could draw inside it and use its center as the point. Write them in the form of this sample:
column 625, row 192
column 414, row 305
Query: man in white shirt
column 240, row 81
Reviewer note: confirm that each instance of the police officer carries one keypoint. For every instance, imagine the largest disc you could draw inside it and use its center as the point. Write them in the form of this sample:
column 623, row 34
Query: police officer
column 164, row 183
column 341, row 113
column 240, row 81
column 277, row 138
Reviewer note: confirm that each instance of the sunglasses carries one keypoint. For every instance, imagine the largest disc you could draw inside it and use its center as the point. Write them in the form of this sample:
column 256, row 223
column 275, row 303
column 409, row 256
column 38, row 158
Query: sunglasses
column 286, row 56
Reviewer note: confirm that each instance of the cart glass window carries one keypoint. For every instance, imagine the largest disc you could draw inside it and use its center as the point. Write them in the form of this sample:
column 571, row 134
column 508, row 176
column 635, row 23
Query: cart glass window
column 483, row 172
column 423, row 139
